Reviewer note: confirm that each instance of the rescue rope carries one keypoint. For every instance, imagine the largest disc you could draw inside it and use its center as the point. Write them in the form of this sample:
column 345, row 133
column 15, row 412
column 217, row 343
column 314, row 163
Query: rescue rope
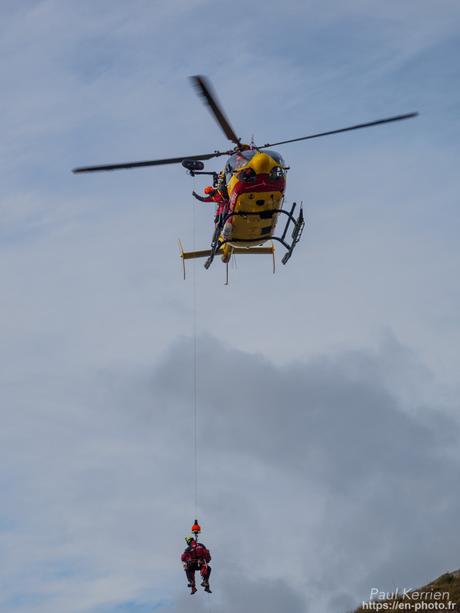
column 195, row 373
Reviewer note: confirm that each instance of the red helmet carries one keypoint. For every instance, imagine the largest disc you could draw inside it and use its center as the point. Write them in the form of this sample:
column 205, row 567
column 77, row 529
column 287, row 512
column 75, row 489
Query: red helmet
column 208, row 189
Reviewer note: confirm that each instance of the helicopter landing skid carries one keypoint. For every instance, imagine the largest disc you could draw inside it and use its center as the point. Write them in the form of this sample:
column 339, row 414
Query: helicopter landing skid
column 298, row 223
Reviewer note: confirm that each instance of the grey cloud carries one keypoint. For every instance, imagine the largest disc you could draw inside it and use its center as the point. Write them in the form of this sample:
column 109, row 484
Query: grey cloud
column 239, row 592
column 385, row 475
column 316, row 481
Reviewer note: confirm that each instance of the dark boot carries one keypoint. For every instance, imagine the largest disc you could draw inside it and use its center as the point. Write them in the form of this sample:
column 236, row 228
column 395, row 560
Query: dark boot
column 193, row 589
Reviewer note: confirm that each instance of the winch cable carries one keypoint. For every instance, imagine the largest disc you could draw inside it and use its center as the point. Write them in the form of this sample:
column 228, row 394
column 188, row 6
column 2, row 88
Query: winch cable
column 195, row 368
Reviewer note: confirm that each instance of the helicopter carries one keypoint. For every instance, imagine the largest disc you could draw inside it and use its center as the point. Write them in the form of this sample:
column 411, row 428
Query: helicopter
column 250, row 189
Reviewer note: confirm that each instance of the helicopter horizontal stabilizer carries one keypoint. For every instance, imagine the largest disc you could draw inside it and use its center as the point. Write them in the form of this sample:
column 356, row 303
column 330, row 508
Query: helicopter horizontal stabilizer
column 190, row 255
column 204, row 253
column 255, row 250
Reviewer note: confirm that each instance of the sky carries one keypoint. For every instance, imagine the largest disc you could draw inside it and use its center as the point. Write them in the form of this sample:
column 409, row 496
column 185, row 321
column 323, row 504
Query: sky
column 327, row 394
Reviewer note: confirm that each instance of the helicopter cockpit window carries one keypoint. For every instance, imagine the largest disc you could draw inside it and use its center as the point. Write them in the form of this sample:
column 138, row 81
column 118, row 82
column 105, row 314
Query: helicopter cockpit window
column 237, row 161
column 276, row 156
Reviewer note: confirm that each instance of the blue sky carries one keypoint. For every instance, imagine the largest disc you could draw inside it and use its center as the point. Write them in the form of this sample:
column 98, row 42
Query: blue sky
column 333, row 384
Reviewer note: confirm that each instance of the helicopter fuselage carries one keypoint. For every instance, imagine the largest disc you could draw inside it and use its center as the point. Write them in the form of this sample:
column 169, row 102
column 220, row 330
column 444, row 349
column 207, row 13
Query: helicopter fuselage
column 256, row 183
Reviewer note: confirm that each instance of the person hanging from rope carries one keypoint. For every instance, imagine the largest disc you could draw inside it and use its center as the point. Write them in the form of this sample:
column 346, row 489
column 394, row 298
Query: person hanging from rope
column 196, row 557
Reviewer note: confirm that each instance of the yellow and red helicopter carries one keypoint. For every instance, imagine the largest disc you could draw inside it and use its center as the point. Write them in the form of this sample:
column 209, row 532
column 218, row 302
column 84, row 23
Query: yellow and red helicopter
column 250, row 189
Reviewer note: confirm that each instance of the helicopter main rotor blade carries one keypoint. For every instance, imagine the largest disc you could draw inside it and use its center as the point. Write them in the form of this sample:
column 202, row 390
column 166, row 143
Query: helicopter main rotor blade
column 205, row 156
column 356, row 127
column 204, row 88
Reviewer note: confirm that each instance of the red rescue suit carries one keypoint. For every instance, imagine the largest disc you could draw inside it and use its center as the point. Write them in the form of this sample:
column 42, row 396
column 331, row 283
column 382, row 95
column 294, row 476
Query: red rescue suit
column 196, row 557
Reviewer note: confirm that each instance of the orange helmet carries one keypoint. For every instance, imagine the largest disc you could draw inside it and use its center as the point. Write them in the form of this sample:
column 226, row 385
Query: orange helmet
column 208, row 189
column 196, row 527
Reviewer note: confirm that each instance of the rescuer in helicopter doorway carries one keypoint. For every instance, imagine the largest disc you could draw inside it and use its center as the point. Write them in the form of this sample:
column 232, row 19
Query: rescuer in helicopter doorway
column 219, row 195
